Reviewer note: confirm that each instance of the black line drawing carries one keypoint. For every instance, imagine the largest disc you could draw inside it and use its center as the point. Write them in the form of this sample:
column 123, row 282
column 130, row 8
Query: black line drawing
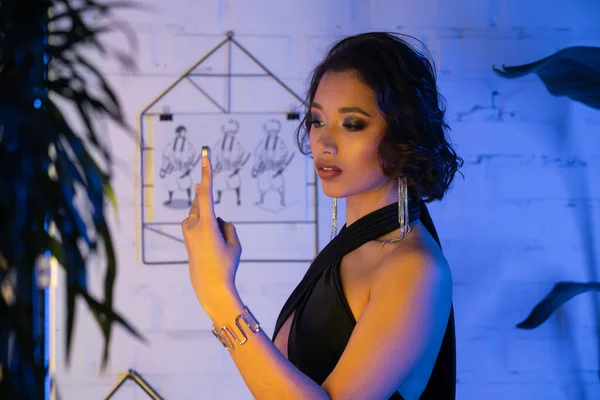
column 137, row 378
column 214, row 87
column 228, row 159
column 271, row 158
column 178, row 159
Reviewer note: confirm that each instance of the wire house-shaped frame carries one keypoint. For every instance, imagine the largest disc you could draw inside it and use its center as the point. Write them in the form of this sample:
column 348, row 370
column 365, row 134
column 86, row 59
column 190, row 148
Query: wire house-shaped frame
column 261, row 184
column 139, row 381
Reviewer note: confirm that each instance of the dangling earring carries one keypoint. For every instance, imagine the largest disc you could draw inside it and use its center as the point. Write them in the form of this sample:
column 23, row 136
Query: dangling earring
column 403, row 217
column 334, row 222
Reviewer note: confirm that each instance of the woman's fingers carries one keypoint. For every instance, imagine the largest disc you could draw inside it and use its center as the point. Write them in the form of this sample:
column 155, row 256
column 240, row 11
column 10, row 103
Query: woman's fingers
column 204, row 194
column 230, row 234
column 194, row 211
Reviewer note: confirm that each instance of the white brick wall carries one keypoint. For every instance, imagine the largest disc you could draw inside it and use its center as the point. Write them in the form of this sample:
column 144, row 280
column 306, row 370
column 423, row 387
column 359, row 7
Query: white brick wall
column 510, row 229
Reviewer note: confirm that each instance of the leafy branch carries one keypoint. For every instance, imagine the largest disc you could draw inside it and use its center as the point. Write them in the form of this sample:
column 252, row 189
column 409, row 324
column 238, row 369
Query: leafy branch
column 55, row 180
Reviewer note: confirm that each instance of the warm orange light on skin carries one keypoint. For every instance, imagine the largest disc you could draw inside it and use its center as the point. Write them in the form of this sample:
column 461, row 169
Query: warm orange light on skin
column 346, row 131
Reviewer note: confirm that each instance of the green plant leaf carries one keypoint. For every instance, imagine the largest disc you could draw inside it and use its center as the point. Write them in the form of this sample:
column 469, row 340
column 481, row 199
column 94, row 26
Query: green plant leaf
column 109, row 314
column 109, row 281
column 110, row 194
column 559, row 295
column 71, row 309
column 573, row 72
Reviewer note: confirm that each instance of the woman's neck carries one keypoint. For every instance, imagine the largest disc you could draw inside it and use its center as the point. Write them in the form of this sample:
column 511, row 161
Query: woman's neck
column 364, row 203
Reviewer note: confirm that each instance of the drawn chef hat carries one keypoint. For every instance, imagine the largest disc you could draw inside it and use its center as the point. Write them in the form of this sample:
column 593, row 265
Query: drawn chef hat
column 272, row 126
column 230, row 126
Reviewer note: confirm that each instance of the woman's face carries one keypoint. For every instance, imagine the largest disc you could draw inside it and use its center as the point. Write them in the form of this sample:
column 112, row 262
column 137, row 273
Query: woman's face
column 346, row 129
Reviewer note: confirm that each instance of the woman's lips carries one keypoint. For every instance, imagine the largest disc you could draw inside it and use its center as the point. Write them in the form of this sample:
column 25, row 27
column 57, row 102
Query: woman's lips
column 327, row 175
column 327, row 171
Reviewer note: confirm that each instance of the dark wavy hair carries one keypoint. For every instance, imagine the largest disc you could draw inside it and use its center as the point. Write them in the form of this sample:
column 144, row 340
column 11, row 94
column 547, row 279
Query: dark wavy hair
column 415, row 144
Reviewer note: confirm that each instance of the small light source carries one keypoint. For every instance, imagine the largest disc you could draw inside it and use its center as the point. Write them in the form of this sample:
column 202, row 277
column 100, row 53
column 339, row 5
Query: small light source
column 37, row 103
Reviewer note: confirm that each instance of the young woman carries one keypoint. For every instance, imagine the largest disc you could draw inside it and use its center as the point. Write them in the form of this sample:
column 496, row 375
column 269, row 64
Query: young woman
column 373, row 317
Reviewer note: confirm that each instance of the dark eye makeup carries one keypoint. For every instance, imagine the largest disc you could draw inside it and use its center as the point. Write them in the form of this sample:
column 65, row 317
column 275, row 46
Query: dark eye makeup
column 352, row 123
column 314, row 120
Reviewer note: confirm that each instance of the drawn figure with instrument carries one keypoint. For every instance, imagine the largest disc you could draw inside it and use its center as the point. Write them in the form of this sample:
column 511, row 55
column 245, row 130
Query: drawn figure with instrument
column 229, row 159
column 271, row 158
column 178, row 160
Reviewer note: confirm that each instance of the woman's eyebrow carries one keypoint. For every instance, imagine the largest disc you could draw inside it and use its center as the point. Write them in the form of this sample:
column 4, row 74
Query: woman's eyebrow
column 343, row 110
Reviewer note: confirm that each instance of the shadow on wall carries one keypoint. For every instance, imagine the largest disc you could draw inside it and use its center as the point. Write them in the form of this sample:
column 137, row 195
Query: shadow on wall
column 573, row 72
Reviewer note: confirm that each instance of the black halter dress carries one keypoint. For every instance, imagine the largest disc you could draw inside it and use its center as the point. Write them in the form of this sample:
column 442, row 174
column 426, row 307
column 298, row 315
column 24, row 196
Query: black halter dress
column 323, row 322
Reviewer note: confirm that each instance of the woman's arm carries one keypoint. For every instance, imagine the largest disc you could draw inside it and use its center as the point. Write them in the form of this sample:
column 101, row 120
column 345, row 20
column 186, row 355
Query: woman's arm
column 404, row 321
column 214, row 257
column 406, row 316
column 267, row 373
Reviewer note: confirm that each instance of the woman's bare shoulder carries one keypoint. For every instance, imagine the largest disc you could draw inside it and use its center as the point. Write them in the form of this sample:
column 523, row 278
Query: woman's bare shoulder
column 418, row 258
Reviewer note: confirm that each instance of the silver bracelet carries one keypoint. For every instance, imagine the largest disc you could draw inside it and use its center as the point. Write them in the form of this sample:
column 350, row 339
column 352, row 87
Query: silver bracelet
column 251, row 322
